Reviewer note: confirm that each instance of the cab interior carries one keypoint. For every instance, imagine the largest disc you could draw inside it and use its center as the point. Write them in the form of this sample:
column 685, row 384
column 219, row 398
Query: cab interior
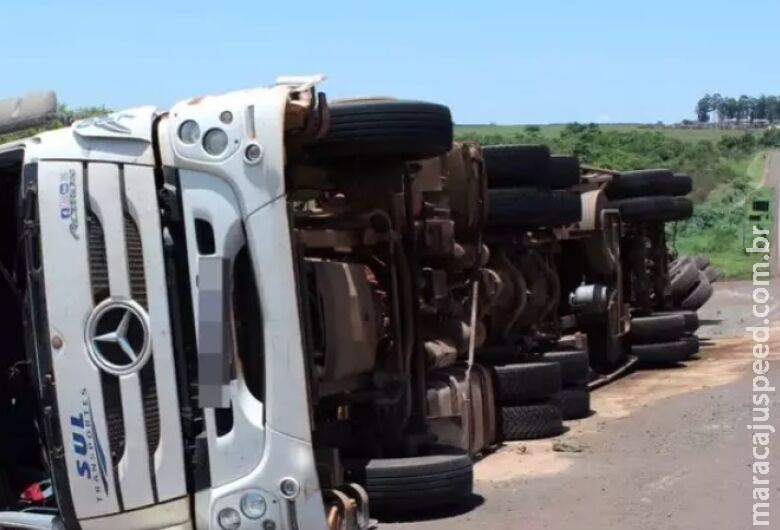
column 21, row 456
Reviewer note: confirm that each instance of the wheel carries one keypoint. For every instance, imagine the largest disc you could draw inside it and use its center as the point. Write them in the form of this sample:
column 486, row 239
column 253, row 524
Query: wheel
column 564, row 172
column 531, row 207
column 691, row 319
column 667, row 352
column 530, row 422
column 575, row 402
column 699, row 295
column 680, row 185
column 701, row 261
column 657, row 328
column 654, row 209
column 712, row 273
column 574, row 364
column 521, row 383
column 422, row 482
column 648, row 182
column 387, row 129
column 512, row 166
column 682, row 279
column 679, row 262
column 606, row 350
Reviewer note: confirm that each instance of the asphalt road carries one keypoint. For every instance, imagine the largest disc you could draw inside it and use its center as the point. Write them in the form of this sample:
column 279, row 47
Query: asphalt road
column 665, row 449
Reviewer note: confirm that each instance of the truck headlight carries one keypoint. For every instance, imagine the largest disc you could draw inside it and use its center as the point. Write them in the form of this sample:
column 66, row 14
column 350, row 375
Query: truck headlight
column 253, row 505
column 229, row 519
column 189, row 132
column 215, row 142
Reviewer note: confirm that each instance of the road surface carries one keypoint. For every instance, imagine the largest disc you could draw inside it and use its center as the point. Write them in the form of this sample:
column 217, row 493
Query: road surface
column 666, row 449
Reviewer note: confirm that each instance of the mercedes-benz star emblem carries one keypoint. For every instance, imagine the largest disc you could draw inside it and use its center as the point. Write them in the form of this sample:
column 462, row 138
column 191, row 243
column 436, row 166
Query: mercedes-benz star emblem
column 117, row 337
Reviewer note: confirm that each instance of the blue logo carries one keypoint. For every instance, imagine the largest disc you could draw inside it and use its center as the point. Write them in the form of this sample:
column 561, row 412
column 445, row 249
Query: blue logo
column 91, row 461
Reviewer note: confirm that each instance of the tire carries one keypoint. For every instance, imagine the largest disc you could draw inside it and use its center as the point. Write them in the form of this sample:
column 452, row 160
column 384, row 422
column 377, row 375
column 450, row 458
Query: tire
column 510, row 208
column 712, row 273
column 691, row 319
column 575, row 402
column 699, row 295
column 647, row 183
column 606, row 351
column 679, row 262
column 680, row 185
column 531, row 422
column 701, row 261
column 667, row 352
column 683, row 279
column 423, row 482
column 564, row 172
column 574, row 364
column 657, row 328
column 385, row 129
column 654, row 209
column 517, row 384
column 512, row 166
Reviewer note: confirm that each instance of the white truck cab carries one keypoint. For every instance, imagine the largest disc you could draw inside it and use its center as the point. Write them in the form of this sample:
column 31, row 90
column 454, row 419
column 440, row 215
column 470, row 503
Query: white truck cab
column 141, row 231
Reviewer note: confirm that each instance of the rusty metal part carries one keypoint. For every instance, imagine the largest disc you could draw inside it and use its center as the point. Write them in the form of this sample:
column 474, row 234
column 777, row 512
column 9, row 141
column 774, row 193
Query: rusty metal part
column 359, row 495
column 335, row 239
column 341, row 510
column 413, row 263
column 512, row 300
column 554, row 283
column 491, row 288
column 621, row 371
column 601, row 170
column 532, row 266
column 437, row 238
column 467, row 188
column 352, row 319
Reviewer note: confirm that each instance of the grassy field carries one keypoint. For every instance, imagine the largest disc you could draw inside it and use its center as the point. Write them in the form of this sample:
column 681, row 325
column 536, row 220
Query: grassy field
column 553, row 130
column 724, row 241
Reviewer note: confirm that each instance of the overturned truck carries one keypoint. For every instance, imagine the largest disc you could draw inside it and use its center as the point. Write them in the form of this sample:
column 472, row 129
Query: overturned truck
column 267, row 310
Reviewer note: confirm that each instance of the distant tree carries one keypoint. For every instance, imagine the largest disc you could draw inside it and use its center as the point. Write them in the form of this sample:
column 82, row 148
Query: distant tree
column 743, row 108
column 575, row 128
column 760, row 108
column 773, row 108
column 730, row 108
column 703, row 108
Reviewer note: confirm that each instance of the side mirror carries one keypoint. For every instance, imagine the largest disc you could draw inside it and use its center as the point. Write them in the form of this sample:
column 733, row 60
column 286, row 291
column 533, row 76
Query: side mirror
column 31, row 110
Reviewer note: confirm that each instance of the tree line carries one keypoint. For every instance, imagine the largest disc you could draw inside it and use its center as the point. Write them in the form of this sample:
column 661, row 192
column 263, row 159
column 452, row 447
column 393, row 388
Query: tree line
column 742, row 109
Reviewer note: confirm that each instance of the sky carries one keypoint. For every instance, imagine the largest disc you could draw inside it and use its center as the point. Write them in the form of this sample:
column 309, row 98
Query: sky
column 491, row 61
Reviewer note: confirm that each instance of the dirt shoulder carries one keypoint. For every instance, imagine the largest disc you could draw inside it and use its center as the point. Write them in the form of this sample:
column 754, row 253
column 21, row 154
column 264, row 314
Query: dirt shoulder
column 721, row 362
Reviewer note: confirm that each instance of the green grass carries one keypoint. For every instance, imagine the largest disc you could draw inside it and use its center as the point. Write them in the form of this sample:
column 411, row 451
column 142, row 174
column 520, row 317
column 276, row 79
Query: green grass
column 728, row 254
column 724, row 241
column 756, row 166
column 553, row 130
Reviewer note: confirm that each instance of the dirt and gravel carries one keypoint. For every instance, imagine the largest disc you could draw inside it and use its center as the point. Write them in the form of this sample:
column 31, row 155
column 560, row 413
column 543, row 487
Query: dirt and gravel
column 665, row 448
